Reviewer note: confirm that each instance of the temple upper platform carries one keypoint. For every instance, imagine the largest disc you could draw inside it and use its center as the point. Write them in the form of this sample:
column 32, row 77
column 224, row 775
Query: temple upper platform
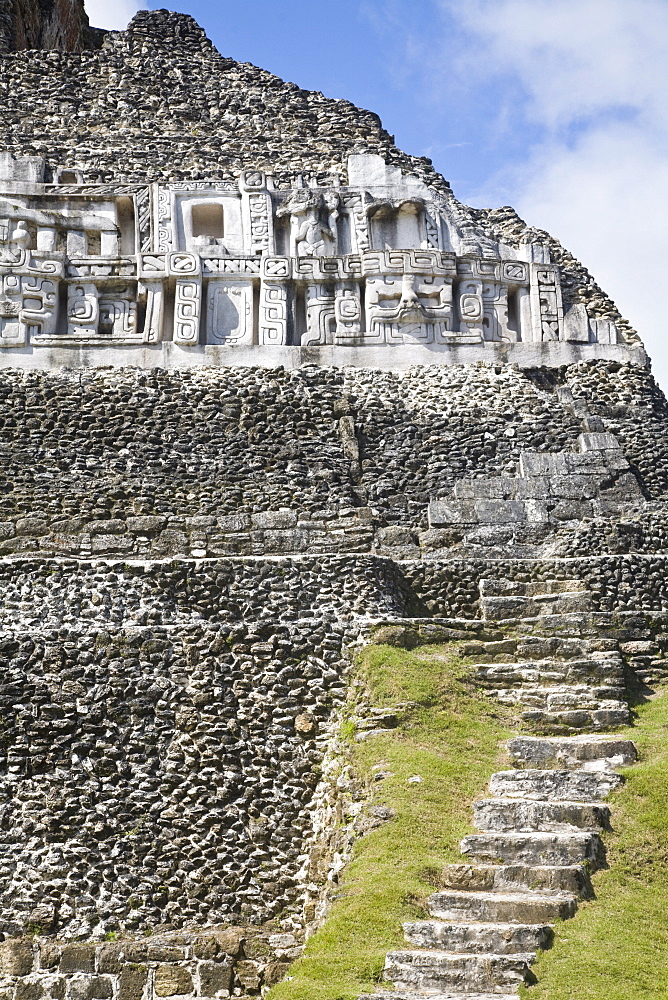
column 163, row 206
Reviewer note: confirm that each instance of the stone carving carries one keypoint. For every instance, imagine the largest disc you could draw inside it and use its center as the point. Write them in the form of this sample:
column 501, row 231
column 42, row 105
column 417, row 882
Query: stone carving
column 164, row 220
column 28, row 295
column 471, row 308
column 273, row 313
column 230, row 313
column 408, row 308
column 82, row 311
column 357, row 203
column 546, row 301
column 153, row 293
column 348, row 312
column 320, row 315
column 258, row 212
column 316, row 293
column 187, row 311
column 313, row 222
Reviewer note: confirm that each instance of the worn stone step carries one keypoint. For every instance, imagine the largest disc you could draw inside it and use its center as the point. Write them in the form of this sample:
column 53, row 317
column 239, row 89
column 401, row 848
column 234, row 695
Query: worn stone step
column 572, row 721
column 555, row 786
column 571, row 879
column 559, row 698
column 501, row 907
column 602, row 671
column 412, row 995
column 442, row 970
column 478, row 938
column 514, row 588
column 522, row 815
column 595, row 752
column 508, row 608
column 535, row 848
column 549, row 647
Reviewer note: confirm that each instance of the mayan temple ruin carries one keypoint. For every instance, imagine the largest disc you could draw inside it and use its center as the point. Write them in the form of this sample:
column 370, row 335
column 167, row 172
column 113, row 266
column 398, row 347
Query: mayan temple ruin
column 272, row 397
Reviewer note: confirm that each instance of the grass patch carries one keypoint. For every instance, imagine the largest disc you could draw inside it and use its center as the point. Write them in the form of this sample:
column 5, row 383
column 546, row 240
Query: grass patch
column 451, row 739
column 617, row 945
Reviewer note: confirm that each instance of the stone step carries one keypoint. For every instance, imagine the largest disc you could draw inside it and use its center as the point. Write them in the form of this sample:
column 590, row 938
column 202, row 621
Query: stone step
column 571, row 879
column 412, row 995
column 522, row 815
column 555, row 786
column 601, row 670
column 443, row 970
column 514, row 588
column 559, row 697
column 505, row 608
column 572, row 721
column 478, row 938
column 549, row 647
column 501, row 907
column 535, row 848
column 595, row 752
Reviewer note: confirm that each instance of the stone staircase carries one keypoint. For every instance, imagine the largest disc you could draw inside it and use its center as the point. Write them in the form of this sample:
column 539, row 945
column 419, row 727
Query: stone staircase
column 539, row 830
column 563, row 685
column 508, row 599
column 538, row 840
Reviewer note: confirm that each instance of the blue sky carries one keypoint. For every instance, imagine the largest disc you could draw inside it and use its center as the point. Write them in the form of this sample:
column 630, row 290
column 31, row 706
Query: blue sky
column 557, row 107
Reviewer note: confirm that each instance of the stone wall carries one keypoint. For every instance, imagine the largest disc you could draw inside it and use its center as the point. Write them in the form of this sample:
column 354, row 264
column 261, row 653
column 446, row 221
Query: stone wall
column 45, row 24
column 312, row 447
column 157, row 777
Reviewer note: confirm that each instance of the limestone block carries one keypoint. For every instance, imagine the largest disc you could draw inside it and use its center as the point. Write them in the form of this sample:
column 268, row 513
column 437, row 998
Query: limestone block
column 132, row 982
column 535, row 848
column 274, row 519
column 78, row 958
column 576, row 324
column 16, row 957
column 479, row 938
column 172, row 980
column 543, row 464
column 598, row 442
column 524, row 814
column 214, row 977
column 443, row 513
column 574, row 487
column 89, row 988
column 501, row 511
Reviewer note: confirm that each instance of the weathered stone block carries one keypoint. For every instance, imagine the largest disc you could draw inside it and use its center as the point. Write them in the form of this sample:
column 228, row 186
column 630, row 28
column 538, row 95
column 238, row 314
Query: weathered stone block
column 248, row 974
column 32, row 526
column 443, row 513
column 147, row 524
column 214, row 977
column 234, row 523
column 90, row 988
column 78, row 958
column 285, row 541
column 274, row 519
column 231, row 940
column 165, row 953
column 109, row 958
column 16, row 957
column 132, row 983
column 172, row 980
column 111, row 543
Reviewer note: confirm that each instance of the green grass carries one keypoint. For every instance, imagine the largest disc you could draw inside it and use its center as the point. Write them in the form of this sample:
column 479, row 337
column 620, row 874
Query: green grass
column 616, row 948
column 452, row 740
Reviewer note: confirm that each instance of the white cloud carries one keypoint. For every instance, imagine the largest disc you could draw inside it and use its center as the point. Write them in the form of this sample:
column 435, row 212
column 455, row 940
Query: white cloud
column 112, row 14
column 589, row 77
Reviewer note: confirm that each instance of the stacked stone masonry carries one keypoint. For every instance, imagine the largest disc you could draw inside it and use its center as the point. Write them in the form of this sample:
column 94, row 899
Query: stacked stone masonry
column 265, row 384
column 258, row 215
